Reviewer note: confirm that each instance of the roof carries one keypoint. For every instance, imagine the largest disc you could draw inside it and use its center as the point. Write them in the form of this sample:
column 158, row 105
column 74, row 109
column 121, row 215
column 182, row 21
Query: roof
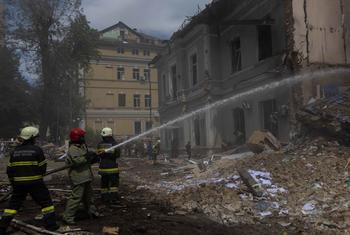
column 212, row 13
column 123, row 25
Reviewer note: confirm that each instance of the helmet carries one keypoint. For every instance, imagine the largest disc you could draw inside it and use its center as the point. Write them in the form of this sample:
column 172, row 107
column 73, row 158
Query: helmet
column 76, row 134
column 106, row 132
column 29, row 133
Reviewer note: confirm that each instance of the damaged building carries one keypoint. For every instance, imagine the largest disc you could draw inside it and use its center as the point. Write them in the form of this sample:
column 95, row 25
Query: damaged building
column 233, row 46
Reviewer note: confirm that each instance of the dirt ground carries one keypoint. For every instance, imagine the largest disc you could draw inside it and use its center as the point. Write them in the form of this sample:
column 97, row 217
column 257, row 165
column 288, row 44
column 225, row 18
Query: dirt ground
column 147, row 210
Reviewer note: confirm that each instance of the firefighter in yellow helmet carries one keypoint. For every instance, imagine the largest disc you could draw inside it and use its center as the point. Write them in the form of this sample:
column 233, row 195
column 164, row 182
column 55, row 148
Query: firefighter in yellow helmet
column 108, row 169
column 26, row 168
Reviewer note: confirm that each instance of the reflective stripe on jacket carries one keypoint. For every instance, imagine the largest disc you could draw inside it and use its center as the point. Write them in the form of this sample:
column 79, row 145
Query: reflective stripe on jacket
column 108, row 163
column 27, row 164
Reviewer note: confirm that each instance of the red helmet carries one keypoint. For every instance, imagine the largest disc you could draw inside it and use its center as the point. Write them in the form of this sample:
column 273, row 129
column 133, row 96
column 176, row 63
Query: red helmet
column 76, row 134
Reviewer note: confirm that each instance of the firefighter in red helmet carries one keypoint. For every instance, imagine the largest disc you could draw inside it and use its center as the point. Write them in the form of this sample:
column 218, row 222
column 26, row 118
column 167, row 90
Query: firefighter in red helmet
column 80, row 175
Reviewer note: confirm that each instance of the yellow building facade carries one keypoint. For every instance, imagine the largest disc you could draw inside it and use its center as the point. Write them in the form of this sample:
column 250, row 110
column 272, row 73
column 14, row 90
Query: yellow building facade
column 121, row 88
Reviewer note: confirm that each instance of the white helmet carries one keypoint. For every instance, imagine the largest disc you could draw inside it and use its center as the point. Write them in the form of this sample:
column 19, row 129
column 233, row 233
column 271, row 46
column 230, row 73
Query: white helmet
column 107, row 132
column 29, row 132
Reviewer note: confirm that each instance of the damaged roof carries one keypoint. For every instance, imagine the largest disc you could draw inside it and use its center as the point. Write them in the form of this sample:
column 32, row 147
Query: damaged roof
column 212, row 13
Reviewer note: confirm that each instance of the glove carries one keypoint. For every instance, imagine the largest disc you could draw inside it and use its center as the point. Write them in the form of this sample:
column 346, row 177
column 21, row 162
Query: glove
column 92, row 157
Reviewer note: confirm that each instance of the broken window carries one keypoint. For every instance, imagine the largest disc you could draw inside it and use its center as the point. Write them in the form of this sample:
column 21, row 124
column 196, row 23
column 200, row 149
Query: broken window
column 148, row 101
column 174, row 81
column 136, row 74
column 137, row 127
column 194, row 69
column 239, row 126
column 137, row 102
column 265, row 41
column 147, row 74
column 269, row 116
column 121, row 100
column 120, row 73
column 236, row 58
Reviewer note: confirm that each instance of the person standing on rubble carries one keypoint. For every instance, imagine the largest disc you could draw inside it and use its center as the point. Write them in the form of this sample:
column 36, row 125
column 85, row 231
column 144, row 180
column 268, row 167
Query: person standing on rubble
column 108, row 169
column 26, row 169
column 189, row 150
column 156, row 151
column 80, row 160
column 150, row 149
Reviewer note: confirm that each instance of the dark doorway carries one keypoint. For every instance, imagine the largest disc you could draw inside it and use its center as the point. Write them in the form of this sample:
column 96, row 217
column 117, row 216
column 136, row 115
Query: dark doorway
column 239, row 126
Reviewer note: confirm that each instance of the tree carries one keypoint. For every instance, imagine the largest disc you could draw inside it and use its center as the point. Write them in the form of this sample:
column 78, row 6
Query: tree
column 62, row 42
column 16, row 96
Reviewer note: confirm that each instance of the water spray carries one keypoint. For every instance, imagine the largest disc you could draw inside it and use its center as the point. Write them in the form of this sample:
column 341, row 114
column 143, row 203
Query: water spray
column 289, row 81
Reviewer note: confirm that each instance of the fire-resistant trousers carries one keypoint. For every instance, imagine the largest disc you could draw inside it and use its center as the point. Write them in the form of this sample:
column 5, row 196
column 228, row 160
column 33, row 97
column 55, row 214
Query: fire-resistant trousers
column 109, row 187
column 40, row 194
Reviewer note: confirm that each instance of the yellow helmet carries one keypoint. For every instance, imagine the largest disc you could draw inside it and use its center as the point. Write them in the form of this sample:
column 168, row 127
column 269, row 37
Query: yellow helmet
column 106, row 132
column 29, row 132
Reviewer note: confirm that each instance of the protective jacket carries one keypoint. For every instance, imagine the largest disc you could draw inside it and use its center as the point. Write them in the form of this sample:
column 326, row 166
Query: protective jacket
column 108, row 163
column 27, row 164
column 80, row 170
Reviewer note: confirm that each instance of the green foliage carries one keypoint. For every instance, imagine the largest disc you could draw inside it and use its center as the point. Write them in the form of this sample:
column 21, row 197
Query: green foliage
column 92, row 138
column 58, row 37
column 16, row 96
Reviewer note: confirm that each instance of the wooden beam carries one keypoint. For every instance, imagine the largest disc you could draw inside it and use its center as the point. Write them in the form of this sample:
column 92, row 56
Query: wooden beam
column 253, row 186
column 31, row 229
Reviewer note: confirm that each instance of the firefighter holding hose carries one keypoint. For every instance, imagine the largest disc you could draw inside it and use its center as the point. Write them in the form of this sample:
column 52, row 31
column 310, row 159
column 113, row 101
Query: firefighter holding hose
column 26, row 168
column 108, row 169
column 80, row 160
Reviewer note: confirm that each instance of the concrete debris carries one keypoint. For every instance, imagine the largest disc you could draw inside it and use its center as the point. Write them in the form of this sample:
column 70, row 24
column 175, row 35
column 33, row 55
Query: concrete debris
column 305, row 182
column 330, row 115
column 263, row 140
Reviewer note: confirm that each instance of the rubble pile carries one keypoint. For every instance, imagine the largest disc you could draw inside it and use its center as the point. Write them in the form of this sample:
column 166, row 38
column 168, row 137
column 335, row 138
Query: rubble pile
column 331, row 115
column 53, row 151
column 304, row 183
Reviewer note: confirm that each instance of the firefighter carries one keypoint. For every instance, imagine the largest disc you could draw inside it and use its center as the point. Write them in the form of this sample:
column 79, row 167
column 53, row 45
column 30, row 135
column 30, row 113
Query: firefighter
column 26, row 168
column 108, row 169
column 156, row 151
column 80, row 175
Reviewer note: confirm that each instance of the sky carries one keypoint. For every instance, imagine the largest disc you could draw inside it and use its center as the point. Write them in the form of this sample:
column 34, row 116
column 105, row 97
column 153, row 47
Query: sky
column 156, row 17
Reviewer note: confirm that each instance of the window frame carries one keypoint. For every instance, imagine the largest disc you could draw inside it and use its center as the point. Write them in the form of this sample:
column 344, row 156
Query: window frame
column 236, row 55
column 137, row 101
column 194, row 72
column 120, row 75
column 136, row 74
column 120, row 50
column 140, row 127
column 135, row 51
column 148, row 100
column 119, row 99
column 147, row 74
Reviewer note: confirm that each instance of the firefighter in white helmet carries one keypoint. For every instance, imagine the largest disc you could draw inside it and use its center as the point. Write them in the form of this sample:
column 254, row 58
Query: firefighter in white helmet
column 109, row 169
column 26, row 169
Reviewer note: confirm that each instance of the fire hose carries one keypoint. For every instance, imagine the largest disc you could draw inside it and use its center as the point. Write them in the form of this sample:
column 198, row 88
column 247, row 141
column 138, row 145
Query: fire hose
column 8, row 194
